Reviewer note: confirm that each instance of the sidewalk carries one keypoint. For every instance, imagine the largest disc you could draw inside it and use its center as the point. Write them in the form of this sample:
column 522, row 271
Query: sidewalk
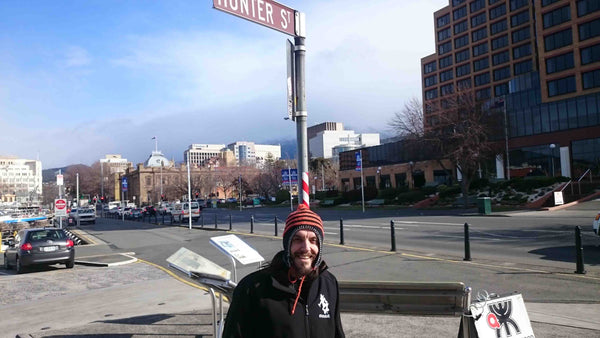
column 192, row 314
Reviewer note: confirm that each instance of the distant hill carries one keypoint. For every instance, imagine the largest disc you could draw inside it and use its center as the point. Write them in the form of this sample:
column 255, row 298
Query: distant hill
column 49, row 175
column 288, row 148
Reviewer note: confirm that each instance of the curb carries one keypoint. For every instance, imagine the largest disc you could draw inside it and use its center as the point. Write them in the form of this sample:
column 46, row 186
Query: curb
column 106, row 264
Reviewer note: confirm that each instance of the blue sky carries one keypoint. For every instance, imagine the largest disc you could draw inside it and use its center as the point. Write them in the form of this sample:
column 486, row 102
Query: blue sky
column 81, row 79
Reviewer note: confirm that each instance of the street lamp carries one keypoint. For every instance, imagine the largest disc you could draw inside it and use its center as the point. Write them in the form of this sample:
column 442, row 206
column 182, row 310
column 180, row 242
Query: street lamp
column 552, row 146
column 379, row 177
column 411, row 164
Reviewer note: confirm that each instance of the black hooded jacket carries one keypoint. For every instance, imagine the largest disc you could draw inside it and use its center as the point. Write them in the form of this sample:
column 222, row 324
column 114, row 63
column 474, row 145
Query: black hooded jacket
column 262, row 305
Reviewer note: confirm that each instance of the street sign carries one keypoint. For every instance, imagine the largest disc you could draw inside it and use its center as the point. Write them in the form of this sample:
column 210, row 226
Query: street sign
column 264, row 12
column 291, row 80
column 59, row 180
column 286, row 177
column 60, row 207
column 124, row 183
column 358, row 161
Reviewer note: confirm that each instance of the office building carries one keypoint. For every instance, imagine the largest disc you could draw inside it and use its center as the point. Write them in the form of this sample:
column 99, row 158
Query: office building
column 328, row 139
column 541, row 59
column 249, row 153
column 20, row 180
column 200, row 154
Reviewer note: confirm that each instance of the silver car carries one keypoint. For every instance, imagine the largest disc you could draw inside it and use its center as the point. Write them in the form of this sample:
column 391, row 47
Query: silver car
column 40, row 246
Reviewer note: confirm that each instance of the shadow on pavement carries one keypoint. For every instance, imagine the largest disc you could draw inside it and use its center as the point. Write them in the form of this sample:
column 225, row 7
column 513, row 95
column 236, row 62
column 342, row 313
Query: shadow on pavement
column 591, row 254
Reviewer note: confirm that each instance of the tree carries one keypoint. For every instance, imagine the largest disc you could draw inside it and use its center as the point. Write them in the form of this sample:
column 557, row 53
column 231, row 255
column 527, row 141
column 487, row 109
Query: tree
column 324, row 168
column 408, row 123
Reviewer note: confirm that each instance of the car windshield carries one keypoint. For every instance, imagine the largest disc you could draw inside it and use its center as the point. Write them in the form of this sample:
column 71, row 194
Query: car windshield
column 45, row 234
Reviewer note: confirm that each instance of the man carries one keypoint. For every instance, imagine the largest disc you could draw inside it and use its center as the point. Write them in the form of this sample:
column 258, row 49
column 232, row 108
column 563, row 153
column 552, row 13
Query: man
column 295, row 295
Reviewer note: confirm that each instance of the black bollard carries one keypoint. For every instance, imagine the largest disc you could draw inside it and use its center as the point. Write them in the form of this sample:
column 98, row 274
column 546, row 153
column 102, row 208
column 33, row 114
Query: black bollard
column 275, row 226
column 252, row 224
column 579, row 251
column 216, row 221
column 202, row 217
column 341, row 231
column 393, row 234
column 467, row 244
column 229, row 222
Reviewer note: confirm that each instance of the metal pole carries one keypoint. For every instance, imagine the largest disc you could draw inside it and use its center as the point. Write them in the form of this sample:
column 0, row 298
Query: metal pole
column 301, row 116
column 290, row 184
column 393, row 234
column 229, row 222
column 579, row 251
column 467, row 244
column 322, row 178
column 252, row 224
column 362, row 185
column 341, row 231
column 189, row 192
column 275, row 226
column 77, row 179
column 240, row 192
column 102, row 187
column 506, row 138
column 216, row 221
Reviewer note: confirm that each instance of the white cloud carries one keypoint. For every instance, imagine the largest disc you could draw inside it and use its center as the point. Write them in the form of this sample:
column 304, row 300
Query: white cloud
column 76, row 56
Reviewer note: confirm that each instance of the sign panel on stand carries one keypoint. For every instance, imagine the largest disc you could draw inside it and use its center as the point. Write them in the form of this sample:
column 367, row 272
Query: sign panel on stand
column 502, row 317
column 233, row 246
column 558, row 198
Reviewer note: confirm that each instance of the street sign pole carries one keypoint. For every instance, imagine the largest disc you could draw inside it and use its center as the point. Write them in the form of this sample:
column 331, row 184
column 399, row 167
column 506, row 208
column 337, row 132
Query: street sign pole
column 301, row 116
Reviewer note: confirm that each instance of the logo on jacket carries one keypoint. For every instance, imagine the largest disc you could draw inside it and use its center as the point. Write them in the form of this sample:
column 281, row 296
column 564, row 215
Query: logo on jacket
column 324, row 305
column 500, row 317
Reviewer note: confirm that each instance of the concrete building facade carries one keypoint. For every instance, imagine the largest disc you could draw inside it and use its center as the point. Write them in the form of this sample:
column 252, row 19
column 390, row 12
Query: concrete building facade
column 328, row 139
column 20, row 180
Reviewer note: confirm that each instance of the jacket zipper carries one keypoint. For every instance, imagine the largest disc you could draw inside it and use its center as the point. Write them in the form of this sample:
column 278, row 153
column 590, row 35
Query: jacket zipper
column 307, row 322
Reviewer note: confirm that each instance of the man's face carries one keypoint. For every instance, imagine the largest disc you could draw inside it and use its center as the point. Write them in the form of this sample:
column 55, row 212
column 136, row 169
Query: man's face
column 303, row 251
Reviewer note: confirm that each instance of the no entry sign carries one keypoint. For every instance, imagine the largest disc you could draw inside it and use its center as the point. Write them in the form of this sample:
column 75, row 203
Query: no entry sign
column 60, row 207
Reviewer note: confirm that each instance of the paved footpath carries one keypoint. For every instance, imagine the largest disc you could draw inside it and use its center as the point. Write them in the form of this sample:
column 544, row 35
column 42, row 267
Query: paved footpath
column 112, row 295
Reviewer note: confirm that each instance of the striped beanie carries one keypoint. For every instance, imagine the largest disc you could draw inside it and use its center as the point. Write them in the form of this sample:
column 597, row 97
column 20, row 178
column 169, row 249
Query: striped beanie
column 302, row 219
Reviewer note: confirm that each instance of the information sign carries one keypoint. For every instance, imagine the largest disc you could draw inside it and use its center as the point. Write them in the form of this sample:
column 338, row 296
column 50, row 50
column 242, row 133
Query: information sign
column 60, row 207
column 59, row 179
column 558, row 198
column 124, row 183
column 358, row 161
column 264, row 12
column 286, row 177
column 233, row 246
column 190, row 262
column 502, row 317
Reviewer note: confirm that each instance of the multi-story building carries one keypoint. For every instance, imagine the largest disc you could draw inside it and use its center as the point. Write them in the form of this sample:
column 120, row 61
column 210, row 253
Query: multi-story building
column 20, row 180
column 113, row 163
column 254, row 154
column 542, row 58
column 328, row 139
column 200, row 154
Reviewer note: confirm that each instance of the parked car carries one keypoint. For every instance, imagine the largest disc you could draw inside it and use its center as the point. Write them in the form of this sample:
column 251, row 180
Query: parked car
column 231, row 200
column 596, row 224
column 83, row 215
column 181, row 211
column 149, row 210
column 39, row 246
column 136, row 213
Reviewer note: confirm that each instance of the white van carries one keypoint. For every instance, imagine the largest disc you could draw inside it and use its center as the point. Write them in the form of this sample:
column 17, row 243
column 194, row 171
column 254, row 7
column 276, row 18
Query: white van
column 181, row 211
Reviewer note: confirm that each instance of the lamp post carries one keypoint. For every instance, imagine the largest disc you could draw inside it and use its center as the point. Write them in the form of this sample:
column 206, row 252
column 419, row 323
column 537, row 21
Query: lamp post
column 552, row 146
column 411, row 183
column 379, row 178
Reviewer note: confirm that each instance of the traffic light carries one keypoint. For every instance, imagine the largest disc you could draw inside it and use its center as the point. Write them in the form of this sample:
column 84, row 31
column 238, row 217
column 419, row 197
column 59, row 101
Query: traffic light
column 162, row 197
column 196, row 194
column 102, row 199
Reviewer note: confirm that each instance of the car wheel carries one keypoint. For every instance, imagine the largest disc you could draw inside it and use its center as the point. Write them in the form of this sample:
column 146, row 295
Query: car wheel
column 6, row 265
column 93, row 222
column 70, row 264
column 19, row 267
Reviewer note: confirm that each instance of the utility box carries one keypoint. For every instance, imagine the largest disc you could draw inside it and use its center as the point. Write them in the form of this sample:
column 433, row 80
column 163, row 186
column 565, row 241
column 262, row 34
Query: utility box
column 484, row 204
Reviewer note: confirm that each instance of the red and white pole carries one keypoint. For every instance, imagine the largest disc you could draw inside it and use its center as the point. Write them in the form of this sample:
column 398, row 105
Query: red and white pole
column 305, row 194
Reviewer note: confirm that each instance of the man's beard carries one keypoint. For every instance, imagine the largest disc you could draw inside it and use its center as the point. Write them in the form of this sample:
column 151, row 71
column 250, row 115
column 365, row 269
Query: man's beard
column 301, row 269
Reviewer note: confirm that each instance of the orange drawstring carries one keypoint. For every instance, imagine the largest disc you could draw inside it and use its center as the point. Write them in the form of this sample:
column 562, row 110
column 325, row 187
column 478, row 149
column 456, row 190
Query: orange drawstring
column 298, row 295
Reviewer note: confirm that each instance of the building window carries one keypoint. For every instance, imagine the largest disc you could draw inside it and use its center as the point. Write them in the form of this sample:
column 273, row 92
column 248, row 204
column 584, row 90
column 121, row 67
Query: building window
column 478, row 19
column 519, row 19
column 500, row 42
column 501, row 57
column 461, row 27
column 558, row 40
column 521, row 51
column 445, row 76
column 480, row 49
column 429, row 67
column 479, row 34
column 446, row 61
column 491, row 2
column 501, row 89
column 464, row 84
column 445, row 48
column 459, row 13
column 590, row 54
column 443, row 20
column 483, row 94
column 482, row 79
column 481, row 64
column 557, row 16
column 591, row 79
column 559, row 63
column 497, row 12
column 498, row 27
column 431, row 94
column 501, row 73
column 523, row 67
column 457, row 2
column 585, row 7
column 521, row 34
column 461, row 41
column 561, row 86
column 589, row 30
column 430, row 81
column 548, row 2
column 477, row 5
column 516, row 4
column 444, row 34
column 447, row 89
column 462, row 56
column 463, row 70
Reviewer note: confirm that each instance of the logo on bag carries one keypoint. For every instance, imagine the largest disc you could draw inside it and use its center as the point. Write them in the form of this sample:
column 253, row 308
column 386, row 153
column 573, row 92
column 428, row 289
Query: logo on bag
column 324, row 305
column 500, row 317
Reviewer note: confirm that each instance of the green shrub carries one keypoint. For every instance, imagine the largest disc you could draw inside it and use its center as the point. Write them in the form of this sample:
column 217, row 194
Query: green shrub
column 282, row 195
column 429, row 190
column 388, row 194
column 479, row 183
column 356, row 195
column 450, row 191
column 411, row 197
